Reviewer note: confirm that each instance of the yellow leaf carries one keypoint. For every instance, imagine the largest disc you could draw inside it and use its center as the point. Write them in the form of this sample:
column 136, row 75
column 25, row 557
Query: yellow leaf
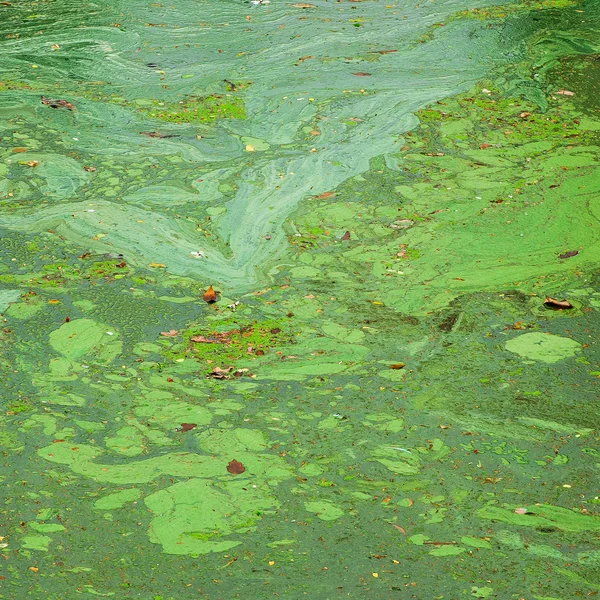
column 157, row 266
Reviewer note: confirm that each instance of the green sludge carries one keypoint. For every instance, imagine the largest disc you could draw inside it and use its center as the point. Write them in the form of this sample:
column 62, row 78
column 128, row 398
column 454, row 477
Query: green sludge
column 382, row 195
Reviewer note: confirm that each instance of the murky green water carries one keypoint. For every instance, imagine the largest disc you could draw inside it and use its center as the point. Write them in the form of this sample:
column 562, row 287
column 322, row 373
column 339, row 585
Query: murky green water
column 379, row 404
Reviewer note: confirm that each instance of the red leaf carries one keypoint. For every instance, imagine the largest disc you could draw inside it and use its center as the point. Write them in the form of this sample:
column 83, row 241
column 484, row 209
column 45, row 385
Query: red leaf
column 568, row 254
column 187, row 426
column 346, row 236
column 484, row 146
column 235, row 467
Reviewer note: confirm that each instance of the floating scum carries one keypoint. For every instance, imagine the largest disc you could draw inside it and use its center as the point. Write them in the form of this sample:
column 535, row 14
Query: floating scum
column 185, row 137
column 312, row 119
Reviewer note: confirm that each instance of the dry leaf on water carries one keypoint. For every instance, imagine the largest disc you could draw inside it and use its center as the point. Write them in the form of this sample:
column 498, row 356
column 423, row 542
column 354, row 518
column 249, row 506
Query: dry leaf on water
column 235, row 467
column 362, row 74
column 557, row 304
column 346, row 236
column 186, row 426
column 170, row 333
column 397, row 366
column 218, row 373
column 565, row 93
column 303, row 5
column 209, row 295
column 56, row 103
column 484, row 146
column 568, row 254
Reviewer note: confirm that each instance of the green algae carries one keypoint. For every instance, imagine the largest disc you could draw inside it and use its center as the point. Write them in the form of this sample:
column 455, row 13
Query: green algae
column 339, row 445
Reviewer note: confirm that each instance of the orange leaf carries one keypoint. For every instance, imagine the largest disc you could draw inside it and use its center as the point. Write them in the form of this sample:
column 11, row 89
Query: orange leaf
column 209, row 295
column 557, row 304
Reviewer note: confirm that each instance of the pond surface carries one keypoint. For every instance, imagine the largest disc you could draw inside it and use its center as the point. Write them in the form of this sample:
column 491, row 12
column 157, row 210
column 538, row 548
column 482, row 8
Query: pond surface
column 300, row 299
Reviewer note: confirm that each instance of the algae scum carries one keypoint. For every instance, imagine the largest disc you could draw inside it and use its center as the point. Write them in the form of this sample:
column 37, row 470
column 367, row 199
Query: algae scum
column 380, row 403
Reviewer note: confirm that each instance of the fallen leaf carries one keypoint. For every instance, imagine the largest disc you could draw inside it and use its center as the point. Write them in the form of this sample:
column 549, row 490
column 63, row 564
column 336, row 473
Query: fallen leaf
column 218, row 373
column 31, row 163
column 346, row 236
column 565, row 93
column 56, row 103
column 170, row 333
column 320, row 196
column 209, row 295
column 381, row 51
column 362, row 74
column 484, row 146
column 249, row 148
column 89, row 169
column 236, row 467
column 187, row 426
column 557, row 304
column 521, row 511
column 303, row 5
column 397, row 366
column 400, row 529
column 19, row 149
column 303, row 58
column 275, row 330
column 524, row 115
column 157, row 266
column 34, row 569
column 201, row 339
column 155, row 134
column 55, row 47
column 568, row 254
column 492, row 480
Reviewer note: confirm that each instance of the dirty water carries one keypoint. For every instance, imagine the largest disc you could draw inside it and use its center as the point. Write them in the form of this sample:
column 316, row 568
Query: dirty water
column 395, row 393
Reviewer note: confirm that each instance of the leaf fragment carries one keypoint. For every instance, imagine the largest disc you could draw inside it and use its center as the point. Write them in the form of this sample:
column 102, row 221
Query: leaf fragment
column 170, row 333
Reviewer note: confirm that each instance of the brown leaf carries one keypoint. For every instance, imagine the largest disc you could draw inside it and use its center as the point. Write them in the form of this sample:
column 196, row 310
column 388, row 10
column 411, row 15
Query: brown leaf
column 170, row 333
column 303, row 58
column 303, row 5
column 200, row 339
column 235, row 467
column 218, row 373
column 400, row 529
column 397, row 366
column 155, row 134
column 382, row 51
column 209, row 295
column 187, row 426
column 320, row 196
column 565, row 93
column 56, row 103
column 524, row 115
column 275, row 330
column 32, row 163
column 484, row 146
column 362, row 74
column 557, row 304
column 89, row 169
column 346, row 236
column 19, row 149
column 568, row 254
